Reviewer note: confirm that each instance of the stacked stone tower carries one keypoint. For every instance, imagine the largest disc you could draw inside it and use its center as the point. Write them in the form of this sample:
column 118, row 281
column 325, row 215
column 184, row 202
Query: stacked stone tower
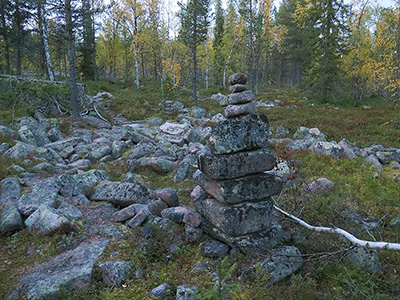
column 235, row 190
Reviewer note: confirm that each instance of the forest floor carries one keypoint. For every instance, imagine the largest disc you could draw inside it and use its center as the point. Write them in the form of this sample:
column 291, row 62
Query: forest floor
column 326, row 274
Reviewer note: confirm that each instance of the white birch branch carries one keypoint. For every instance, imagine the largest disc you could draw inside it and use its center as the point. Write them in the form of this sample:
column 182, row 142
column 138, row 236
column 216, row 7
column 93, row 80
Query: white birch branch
column 344, row 233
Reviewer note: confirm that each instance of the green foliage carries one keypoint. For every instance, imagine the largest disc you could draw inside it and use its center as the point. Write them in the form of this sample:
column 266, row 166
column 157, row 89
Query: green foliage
column 223, row 287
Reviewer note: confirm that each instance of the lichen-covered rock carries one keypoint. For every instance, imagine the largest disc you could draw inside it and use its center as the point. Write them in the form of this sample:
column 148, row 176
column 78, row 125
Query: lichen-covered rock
column 239, row 219
column 214, row 249
column 127, row 212
column 237, row 98
column 192, row 218
column 43, row 192
column 174, row 128
column 10, row 219
column 235, row 165
column 168, row 195
column 184, row 292
column 240, row 109
column 118, row 148
column 71, row 270
column 95, row 122
column 327, row 148
column 121, row 193
column 257, row 242
column 54, row 134
column 45, row 220
column 157, row 206
column 114, row 273
column 372, row 159
column 318, row 187
column 367, row 258
column 193, row 234
column 282, row 263
column 198, row 194
column 175, row 214
column 237, row 88
column 246, row 132
column 348, row 149
column 237, row 78
column 20, row 151
column 305, row 133
column 251, row 187
column 139, row 218
column 161, row 291
column 27, row 136
column 62, row 144
column 158, row 164
column 100, row 152
column 198, row 112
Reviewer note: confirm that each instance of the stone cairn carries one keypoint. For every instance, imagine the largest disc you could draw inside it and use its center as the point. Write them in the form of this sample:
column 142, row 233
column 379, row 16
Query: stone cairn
column 235, row 189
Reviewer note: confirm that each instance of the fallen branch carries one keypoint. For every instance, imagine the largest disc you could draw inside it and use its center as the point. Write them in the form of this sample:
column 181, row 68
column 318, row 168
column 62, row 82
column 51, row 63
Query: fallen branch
column 344, row 233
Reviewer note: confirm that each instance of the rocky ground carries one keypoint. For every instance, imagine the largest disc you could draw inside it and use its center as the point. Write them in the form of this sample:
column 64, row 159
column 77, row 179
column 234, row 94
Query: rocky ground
column 103, row 211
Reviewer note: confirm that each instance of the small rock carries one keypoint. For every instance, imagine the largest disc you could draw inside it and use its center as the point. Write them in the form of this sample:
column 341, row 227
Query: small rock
column 237, row 78
column 184, row 292
column 237, row 88
column 168, row 195
column 115, row 272
column 192, row 218
column 198, row 112
column 282, row 263
column 193, row 234
column 157, row 206
column 175, row 214
column 160, row 292
column 372, row 159
column 127, row 212
column 240, row 109
column 139, row 218
column 45, row 220
column 319, row 187
column 214, row 249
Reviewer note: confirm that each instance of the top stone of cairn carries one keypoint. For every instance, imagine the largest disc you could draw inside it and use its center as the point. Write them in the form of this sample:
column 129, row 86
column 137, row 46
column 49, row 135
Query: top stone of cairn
column 238, row 78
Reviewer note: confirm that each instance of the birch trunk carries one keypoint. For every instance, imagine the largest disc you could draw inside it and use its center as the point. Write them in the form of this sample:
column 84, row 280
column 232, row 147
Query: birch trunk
column 47, row 56
column 227, row 63
column 208, row 64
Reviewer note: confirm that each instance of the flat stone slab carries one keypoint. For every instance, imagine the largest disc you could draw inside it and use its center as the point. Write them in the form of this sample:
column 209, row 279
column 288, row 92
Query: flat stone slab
column 239, row 219
column 71, row 270
column 247, row 188
column 121, row 193
column 236, row 88
column 237, row 98
column 246, row 132
column 236, row 164
column 173, row 128
column 235, row 110
column 257, row 242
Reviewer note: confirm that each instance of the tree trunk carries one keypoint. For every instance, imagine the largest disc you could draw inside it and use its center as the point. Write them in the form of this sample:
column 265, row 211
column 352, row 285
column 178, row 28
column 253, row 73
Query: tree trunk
column 194, row 83
column 6, row 42
column 46, row 48
column 71, row 59
column 18, row 37
column 227, row 63
column 137, row 71
column 208, row 64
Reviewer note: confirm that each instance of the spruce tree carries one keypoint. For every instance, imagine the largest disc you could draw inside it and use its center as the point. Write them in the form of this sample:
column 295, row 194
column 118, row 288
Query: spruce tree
column 195, row 21
column 219, row 57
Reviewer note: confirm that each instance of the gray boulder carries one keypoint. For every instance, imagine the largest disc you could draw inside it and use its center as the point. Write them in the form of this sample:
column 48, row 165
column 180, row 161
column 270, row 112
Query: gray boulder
column 158, row 164
column 71, row 270
column 43, row 192
column 348, row 149
column 168, row 195
column 4, row 147
column 121, row 193
column 282, row 263
column 118, row 148
column 237, row 88
column 114, row 273
column 367, row 258
column 175, row 214
column 85, row 182
column 62, row 144
column 127, row 212
column 100, row 152
column 214, row 249
column 238, row 134
column 161, row 291
column 198, row 112
column 141, row 216
column 237, row 78
column 184, row 292
column 95, row 122
column 236, row 164
column 10, row 219
column 27, row 136
column 6, row 131
column 45, row 220
column 327, row 148
column 20, row 151
column 318, row 187
column 251, row 187
column 372, row 159
column 54, row 134
column 304, row 133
